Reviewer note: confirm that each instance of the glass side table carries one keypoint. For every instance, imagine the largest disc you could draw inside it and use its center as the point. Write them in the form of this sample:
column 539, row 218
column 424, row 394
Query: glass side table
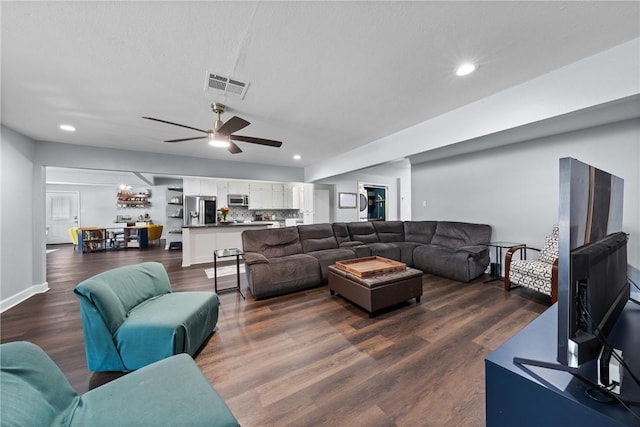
column 499, row 257
column 224, row 253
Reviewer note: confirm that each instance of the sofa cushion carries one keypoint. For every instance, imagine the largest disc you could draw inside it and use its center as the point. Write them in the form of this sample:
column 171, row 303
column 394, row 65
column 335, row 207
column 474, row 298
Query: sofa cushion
column 362, row 232
column 283, row 274
column 329, row 257
column 419, row 231
column 272, row 242
column 385, row 250
column 406, row 251
column 389, row 231
column 171, row 392
column 317, row 237
column 166, row 325
column 341, row 232
column 115, row 292
column 457, row 234
column 456, row 264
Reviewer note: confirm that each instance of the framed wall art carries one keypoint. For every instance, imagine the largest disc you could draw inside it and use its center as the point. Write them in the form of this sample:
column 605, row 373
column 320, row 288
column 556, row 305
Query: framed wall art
column 347, row 200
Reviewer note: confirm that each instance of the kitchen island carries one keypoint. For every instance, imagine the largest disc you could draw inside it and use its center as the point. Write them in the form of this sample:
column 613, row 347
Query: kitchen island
column 199, row 241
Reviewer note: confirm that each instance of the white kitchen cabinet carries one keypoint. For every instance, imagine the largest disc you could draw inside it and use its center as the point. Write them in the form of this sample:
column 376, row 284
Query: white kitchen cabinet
column 277, row 196
column 191, row 186
column 223, row 191
column 237, row 187
column 307, row 203
column 292, row 196
column 260, row 196
column 200, row 187
column 208, row 187
column 296, row 196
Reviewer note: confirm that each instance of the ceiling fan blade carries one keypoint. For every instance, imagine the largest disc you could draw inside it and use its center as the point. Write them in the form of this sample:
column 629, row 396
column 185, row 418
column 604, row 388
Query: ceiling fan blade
column 175, row 124
column 185, row 139
column 233, row 148
column 232, row 125
column 261, row 141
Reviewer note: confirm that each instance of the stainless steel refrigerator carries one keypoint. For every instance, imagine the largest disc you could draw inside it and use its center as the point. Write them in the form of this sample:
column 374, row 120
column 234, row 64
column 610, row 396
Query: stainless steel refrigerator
column 199, row 210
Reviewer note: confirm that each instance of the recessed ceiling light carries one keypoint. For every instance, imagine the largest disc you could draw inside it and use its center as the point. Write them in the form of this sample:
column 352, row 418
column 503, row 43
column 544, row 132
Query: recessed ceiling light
column 67, row 128
column 465, row 69
column 297, row 157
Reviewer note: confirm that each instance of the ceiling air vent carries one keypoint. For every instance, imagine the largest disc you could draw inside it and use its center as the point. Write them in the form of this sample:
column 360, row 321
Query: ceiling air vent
column 226, row 84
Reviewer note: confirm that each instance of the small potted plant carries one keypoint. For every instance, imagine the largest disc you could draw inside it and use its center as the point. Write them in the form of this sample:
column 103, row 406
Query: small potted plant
column 224, row 211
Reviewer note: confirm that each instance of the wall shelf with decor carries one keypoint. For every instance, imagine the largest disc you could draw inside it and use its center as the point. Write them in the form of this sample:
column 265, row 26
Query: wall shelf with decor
column 134, row 199
column 174, row 217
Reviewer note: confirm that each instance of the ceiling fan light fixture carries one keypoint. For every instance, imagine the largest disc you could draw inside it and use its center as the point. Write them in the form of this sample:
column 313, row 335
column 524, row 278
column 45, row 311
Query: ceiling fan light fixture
column 217, row 142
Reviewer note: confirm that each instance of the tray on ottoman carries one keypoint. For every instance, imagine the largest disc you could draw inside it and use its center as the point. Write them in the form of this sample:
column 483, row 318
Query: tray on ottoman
column 369, row 266
column 377, row 291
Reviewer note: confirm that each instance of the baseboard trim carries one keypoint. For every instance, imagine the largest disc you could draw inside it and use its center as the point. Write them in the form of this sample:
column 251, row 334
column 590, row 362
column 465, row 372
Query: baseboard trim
column 16, row 299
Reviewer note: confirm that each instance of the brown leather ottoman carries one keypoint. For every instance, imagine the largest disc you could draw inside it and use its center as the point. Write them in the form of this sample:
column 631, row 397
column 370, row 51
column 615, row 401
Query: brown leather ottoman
column 379, row 291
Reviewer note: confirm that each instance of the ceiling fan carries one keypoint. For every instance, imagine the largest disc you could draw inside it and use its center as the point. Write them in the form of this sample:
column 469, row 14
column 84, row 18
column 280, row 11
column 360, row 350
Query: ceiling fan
column 221, row 135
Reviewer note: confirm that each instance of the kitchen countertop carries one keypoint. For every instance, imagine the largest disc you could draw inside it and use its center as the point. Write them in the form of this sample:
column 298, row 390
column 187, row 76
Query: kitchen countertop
column 233, row 224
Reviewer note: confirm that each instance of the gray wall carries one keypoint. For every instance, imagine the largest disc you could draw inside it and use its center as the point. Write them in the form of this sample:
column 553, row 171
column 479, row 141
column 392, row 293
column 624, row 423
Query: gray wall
column 20, row 271
column 515, row 188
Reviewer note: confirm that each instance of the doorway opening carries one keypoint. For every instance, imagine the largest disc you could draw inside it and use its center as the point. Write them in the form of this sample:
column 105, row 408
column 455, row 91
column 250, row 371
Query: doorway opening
column 373, row 202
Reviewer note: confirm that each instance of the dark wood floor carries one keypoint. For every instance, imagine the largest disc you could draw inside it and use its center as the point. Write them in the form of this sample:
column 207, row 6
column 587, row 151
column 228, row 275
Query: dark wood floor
column 308, row 359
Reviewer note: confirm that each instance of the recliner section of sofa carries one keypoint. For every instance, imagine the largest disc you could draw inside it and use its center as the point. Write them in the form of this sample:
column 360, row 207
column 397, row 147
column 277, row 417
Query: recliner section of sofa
column 289, row 259
column 275, row 263
column 457, row 251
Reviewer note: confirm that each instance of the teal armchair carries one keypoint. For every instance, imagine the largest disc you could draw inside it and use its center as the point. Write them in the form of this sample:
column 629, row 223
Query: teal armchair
column 171, row 392
column 131, row 318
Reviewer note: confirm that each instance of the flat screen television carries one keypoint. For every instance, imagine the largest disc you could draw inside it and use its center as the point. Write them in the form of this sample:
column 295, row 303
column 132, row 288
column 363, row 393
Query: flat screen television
column 598, row 292
column 590, row 212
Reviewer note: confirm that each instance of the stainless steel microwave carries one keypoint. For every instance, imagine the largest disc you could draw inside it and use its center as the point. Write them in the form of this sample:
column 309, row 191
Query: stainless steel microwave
column 238, row 200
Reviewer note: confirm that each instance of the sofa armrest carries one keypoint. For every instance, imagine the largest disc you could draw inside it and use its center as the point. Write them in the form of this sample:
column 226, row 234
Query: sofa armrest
column 251, row 258
column 475, row 250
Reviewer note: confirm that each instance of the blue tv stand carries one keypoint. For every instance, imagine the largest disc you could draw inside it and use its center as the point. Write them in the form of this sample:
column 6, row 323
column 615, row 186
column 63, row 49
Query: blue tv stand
column 520, row 395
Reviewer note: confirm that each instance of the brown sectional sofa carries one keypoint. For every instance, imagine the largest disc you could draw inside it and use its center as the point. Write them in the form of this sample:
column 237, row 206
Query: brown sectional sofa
column 282, row 260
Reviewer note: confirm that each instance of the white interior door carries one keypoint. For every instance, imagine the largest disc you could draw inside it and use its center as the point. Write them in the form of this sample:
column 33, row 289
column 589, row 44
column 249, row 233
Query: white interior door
column 321, row 210
column 62, row 214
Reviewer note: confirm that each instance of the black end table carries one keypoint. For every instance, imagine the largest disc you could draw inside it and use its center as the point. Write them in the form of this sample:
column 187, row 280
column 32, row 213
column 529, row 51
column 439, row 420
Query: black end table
column 224, row 253
column 499, row 246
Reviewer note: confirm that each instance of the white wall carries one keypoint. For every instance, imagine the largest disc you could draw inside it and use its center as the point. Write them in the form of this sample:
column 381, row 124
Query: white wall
column 98, row 205
column 395, row 176
column 20, row 276
column 515, row 188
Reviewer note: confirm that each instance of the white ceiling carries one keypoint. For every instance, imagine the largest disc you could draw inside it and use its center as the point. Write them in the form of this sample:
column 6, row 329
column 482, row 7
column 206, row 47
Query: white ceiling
column 325, row 77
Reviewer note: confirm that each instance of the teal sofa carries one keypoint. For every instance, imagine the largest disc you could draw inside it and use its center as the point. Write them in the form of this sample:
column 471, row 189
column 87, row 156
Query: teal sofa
column 131, row 318
column 171, row 392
